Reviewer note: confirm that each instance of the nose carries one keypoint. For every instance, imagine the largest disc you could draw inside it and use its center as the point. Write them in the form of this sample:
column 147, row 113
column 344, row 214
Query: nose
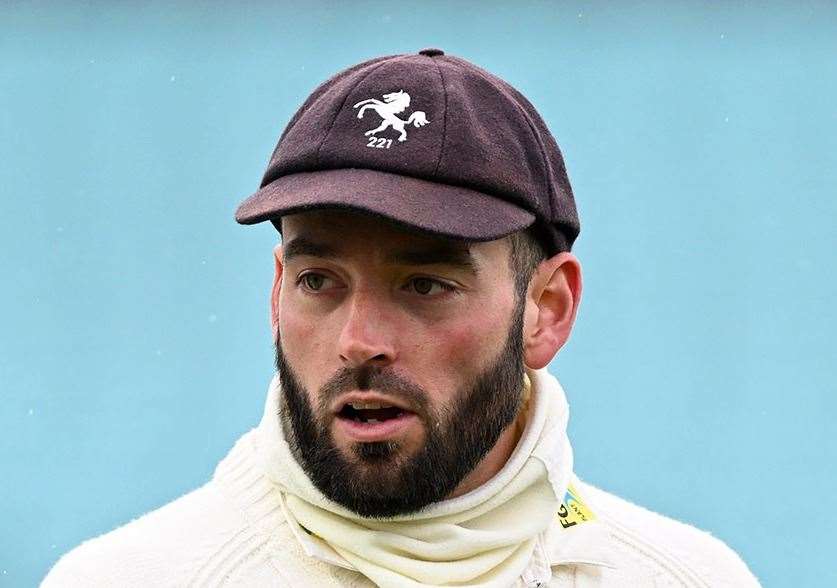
column 367, row 335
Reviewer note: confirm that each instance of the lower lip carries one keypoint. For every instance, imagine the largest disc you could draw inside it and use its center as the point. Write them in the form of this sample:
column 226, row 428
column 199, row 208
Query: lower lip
column 380, row 431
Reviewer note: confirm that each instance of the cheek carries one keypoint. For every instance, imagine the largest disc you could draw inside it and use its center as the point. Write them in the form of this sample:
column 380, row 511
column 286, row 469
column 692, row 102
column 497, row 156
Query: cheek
column 461, row 352
column 305, row 348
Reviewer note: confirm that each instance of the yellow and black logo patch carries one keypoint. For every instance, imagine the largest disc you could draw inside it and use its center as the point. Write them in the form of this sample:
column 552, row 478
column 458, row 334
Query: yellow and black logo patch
column 573, row 510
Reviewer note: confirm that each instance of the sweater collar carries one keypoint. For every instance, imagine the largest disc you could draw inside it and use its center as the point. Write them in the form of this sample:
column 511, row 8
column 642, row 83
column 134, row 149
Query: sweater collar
column 583, row 539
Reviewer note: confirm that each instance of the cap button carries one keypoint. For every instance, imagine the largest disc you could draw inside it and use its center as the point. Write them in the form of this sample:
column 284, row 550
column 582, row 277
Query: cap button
column 431, row 52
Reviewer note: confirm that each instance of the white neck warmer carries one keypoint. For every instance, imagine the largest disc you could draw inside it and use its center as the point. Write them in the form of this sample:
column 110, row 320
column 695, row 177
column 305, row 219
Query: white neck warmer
column 483, row 538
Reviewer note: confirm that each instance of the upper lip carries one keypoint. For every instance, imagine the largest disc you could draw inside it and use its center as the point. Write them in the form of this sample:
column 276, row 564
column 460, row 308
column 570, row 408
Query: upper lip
column 345, row 399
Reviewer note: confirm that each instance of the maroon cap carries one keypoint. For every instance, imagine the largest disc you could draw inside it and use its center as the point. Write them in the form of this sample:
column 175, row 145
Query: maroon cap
column 429, row 140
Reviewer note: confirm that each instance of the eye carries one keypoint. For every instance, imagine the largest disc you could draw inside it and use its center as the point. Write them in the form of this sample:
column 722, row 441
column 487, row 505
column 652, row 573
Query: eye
column 424, row 286
column 313, row 281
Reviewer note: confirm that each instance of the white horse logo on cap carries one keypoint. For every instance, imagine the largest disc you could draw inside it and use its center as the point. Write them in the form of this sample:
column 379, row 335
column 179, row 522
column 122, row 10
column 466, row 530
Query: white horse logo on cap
column 394, row 103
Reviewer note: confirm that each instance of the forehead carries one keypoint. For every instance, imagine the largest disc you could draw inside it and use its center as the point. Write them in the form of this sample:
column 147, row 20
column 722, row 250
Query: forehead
column 345, row 231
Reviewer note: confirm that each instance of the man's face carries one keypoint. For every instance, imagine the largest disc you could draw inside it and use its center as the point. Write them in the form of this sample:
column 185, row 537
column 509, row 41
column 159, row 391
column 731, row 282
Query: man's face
column 400, row 356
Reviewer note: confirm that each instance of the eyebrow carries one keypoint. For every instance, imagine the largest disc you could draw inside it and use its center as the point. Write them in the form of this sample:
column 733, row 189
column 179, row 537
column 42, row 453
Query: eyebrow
column 436, row 255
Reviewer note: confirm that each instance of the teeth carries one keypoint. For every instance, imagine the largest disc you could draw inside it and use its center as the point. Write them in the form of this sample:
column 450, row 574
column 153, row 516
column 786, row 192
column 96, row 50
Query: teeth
column 368, row 405
column 373, row 421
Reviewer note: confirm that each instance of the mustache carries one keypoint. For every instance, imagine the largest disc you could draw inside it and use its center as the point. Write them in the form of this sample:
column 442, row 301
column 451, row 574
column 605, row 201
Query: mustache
column 383, row 381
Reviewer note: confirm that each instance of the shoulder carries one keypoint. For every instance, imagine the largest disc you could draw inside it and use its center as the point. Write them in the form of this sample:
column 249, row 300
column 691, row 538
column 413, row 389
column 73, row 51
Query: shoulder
column 160, row 547
column 645, row 539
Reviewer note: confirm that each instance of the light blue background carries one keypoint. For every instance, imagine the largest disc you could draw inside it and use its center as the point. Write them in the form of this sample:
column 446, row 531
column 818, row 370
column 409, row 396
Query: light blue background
column 701, row 142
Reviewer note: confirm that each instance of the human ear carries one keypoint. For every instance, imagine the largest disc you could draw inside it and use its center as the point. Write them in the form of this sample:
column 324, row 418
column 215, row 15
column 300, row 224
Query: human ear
column 552, row 302
column 274, row 292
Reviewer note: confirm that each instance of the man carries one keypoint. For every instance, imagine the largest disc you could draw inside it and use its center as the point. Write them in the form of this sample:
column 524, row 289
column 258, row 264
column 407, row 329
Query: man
column 412, row 435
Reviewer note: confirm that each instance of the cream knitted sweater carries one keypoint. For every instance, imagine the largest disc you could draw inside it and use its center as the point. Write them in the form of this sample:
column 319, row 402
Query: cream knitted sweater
column 232, row 532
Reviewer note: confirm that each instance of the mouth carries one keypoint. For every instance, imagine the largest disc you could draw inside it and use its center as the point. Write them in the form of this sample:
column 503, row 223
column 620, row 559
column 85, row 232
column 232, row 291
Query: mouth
column 369, row 417
column 369, row 412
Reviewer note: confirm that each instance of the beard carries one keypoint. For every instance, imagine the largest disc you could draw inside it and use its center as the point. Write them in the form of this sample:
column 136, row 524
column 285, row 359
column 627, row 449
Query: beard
column 380, row 479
